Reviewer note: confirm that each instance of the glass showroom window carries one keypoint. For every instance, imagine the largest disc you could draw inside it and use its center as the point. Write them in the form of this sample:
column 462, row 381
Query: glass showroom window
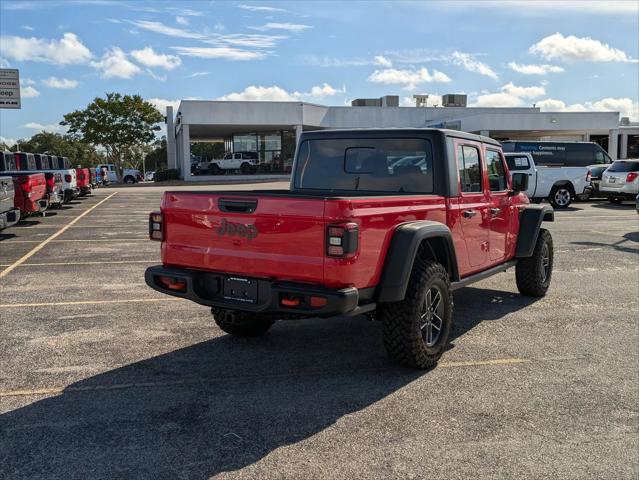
column 245, row 143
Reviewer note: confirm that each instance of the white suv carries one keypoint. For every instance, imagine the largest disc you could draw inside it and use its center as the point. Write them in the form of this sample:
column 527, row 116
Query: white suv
column 246, row 162
column 620, row 181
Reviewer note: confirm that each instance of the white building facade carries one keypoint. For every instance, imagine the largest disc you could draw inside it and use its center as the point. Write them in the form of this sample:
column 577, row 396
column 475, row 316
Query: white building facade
column 272, row 128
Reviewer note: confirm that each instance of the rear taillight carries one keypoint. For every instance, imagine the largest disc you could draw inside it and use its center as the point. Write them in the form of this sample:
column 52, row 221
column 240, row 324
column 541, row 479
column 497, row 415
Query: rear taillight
column 67, row 178
column 631, row 177
column 51, row 183
column 156, row 226
column 588, row 176
column 342, row 240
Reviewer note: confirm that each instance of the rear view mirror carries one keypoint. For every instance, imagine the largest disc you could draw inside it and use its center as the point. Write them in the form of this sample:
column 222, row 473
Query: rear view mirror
column 519, row 182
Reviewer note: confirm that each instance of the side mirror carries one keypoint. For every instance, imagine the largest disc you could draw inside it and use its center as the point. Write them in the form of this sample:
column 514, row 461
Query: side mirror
column 519, row 183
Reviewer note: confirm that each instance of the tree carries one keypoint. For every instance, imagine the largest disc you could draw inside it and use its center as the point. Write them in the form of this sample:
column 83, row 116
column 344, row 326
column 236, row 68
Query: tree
column 78, row 152
column 156, row 158
column 120, row 124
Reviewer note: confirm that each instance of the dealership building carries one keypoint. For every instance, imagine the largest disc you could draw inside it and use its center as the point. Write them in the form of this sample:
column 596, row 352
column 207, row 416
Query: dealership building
column 271, row 129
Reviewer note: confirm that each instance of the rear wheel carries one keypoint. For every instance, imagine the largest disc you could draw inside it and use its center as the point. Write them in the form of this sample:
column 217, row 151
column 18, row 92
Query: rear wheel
column 534, row 273
column 245, row 168
column 215, row 169
column 416, row 329
column 561, row 196
column 241, row 324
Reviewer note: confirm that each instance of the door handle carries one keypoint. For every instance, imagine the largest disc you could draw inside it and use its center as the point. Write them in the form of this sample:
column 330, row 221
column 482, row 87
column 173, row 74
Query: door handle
column 469, row 213
column 495, row 211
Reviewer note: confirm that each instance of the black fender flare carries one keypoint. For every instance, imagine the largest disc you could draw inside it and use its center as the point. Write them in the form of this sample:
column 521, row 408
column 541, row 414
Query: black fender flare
column 401, row 254
column 530, row 219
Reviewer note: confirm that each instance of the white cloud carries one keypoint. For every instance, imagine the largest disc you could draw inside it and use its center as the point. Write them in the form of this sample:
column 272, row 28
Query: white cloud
column 260, row 8
column 227, row 53
column 289, row 27
column 408, row 78
column 538, row 8
column 115, row 64
column 52, row 127
column 149, row 58
column 67, row 50
column 382, row 61
column 63, row 83
column 182, row 20
column 24, row 81
column 254, row 40
column 510, row 96
column 523, row 92
column 332, row 62
column 158, row 27
column 278, row 94
column 4, row 63
column 577, row 49
column 470, row 63
column 162, row 103
column 532, row 69
column 29, row 92
column 9, row 142
column 625, row 106
column 198, row 74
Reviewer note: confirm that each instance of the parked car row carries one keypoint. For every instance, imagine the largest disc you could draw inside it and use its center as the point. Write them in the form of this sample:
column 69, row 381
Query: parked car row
column 31, row 183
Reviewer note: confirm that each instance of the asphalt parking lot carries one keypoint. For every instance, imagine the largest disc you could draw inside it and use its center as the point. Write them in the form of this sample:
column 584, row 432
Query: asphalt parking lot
column 101, row 377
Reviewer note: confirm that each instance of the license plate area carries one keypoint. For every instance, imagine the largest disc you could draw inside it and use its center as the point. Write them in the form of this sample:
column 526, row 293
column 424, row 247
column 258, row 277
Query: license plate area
column 240, row 289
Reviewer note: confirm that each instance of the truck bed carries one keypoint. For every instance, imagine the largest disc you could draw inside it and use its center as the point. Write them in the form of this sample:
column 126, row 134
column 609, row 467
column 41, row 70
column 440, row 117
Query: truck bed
column 280, row 234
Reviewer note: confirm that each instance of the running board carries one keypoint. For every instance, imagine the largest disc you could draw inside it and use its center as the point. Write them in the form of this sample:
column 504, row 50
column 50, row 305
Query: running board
column 482, row 275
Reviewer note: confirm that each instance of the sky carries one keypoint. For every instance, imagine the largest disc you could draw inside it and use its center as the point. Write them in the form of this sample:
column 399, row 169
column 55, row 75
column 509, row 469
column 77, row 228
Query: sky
column 559, row 55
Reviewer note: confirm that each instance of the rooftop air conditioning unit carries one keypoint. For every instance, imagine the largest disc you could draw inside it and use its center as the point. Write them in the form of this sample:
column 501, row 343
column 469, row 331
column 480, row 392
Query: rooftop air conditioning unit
column 454, row 100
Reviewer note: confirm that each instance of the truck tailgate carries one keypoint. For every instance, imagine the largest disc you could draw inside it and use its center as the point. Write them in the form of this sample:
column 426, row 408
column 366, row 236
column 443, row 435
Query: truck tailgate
column 257, row 235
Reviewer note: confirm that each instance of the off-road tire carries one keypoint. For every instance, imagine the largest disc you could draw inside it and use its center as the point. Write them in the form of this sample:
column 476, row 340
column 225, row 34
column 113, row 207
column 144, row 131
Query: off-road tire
column 129, row 180
column 245, row 168
column 241, row 324
column 402, row 320
column 561, row 190
column 215, row 169
column 529, row 272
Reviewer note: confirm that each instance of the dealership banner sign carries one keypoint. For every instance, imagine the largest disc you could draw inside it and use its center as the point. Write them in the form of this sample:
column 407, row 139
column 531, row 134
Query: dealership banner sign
column 9, row 88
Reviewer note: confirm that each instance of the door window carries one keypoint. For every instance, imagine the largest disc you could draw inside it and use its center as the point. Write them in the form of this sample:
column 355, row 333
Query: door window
column 237, row 156
column 469, row 168
column 496, row 172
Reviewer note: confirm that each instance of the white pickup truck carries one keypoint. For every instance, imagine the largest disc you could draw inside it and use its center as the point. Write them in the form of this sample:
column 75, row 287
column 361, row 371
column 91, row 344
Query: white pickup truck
column 559, row 185
column 245, row 162
column 129, row 175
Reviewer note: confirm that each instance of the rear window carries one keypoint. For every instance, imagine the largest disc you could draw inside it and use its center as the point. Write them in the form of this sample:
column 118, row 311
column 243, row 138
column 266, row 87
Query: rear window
column 620, row 166
column 8, row 163
column 597, row 171
column 517, row 162
column 402, row 165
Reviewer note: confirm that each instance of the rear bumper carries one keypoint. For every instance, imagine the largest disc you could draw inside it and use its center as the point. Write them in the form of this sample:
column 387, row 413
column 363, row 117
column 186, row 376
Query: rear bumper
column 586, row 193
column 70, row 194
column 206, row 288
column 55, row 198
column 7, row 219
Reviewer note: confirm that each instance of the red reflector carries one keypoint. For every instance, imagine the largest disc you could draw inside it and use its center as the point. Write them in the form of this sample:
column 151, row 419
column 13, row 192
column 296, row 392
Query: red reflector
column 291, row 302
column 333, row 250
column 173, row 283
column 318, row 302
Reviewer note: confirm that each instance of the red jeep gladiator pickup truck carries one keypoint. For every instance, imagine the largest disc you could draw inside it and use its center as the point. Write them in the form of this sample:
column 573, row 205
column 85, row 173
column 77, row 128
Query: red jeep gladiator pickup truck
column 385, row 220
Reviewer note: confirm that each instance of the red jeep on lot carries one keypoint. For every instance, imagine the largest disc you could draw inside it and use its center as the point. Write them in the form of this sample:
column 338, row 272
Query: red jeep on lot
column 385, row 220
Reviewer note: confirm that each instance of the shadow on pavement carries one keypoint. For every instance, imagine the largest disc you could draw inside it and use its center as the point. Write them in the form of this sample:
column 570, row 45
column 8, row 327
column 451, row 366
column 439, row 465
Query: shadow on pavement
column 219, row 405
column 7, row 236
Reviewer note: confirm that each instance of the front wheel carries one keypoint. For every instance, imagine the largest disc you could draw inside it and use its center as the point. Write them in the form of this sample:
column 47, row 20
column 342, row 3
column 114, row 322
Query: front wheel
column 241, row 324
column 416, row 329
column 129, row 180
column 560, row 197
column 533, row 274
column 245, row 168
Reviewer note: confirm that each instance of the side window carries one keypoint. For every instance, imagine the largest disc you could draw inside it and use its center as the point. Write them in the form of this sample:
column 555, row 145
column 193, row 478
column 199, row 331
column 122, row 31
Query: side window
column 237, row 156
column 469, row 168
column 496, row 171
column 516, row 162
column 228, row 156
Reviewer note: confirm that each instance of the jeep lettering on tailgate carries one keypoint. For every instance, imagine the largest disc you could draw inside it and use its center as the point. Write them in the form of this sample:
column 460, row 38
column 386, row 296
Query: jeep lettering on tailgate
column 231, row 229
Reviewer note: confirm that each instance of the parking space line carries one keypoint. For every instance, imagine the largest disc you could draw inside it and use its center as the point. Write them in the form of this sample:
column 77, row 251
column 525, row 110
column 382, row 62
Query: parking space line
column 83, row 302
column 111, row 240
column 44, row 243
column 83, row 263
column 193, row 381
